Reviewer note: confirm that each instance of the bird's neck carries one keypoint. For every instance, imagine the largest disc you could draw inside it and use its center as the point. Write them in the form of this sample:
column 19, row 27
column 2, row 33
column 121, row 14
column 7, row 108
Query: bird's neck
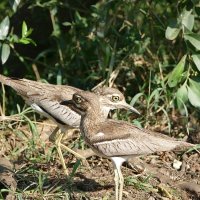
column 90, row 122
column 105, row 111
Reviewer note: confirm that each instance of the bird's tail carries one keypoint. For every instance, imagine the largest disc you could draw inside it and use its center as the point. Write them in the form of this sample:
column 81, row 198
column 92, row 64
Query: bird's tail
column 12, row 82
column 19, row 85
column 4, row 79
column 184, row 146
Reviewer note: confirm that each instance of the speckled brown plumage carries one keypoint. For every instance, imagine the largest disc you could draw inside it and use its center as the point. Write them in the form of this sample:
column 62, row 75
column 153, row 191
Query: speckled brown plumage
column 118, row 140
column 49, row 101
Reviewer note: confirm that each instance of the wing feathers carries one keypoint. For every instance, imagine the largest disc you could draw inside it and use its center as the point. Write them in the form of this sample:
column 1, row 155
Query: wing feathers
column 123, row 139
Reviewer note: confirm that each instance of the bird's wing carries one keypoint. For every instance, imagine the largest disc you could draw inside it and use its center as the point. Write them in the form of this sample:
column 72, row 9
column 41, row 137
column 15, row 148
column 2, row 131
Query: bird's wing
column 46, row 98
column 59, row 113
column 118, row 138
column 49, row 98
column 29, row 90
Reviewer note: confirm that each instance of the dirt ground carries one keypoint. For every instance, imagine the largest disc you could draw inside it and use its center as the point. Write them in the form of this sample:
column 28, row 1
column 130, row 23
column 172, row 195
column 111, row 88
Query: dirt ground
column 30, row 169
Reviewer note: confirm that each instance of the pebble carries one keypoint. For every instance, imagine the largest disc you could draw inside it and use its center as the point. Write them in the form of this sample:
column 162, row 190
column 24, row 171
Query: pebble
column 177, row 164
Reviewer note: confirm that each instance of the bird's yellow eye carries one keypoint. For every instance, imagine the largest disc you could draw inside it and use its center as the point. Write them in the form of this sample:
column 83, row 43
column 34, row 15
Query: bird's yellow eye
column 115, row 98
column 77, row 99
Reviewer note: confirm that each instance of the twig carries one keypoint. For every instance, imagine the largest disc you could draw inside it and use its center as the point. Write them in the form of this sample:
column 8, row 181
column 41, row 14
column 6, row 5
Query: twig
column 35, row 69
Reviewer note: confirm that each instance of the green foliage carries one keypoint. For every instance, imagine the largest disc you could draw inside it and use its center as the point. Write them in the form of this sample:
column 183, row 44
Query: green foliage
column 175, row 76
column 140, row 184
column 14, row 4
column 186, row 73
column 25, row 33
column 194, row 93
column 7, row 41
column 4, row 28
column 145, row 48
column 148, row 49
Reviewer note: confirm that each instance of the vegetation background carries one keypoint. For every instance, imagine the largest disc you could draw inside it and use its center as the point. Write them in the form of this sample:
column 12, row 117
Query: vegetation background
column 150, row 50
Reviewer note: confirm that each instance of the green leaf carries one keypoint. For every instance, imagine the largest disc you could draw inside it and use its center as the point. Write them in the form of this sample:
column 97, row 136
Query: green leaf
column 135, row 98
column 4, row 28
column 182, row 93
column 5, row 52
column 31, row 41
column 195, row 148
column 194, row 93
column 176, row 74
column 196, row 59
column 195, row 2
column 76, row 165
column 14, row 4
column 172, row 30
column 27, row 41
column 24, row 29
column 188, row 19
column 182, row 97
column 67, row 24
column 59, row 78
column 24, row 41
column 80, row 21
column 194, row 39
column 155, row 94
column 29, row 32
column 77, row 16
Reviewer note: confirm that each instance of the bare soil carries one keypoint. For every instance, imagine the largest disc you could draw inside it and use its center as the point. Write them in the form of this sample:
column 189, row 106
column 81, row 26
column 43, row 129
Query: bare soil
column 152, row 177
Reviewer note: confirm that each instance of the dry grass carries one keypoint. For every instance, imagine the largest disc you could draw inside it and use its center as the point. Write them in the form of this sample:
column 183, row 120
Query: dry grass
column 33, row 171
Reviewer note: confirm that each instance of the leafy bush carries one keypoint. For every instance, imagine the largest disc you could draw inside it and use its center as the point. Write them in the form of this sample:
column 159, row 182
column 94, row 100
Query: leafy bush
column 146, row 48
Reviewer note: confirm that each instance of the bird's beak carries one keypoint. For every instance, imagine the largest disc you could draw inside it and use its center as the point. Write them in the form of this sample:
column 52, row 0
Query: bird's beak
column 70, row 104
column 67, row 102
column 129, row 107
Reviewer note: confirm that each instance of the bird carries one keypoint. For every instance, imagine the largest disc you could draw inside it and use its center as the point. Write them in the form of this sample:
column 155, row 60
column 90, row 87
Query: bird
column 49, row 101
column 117, row 140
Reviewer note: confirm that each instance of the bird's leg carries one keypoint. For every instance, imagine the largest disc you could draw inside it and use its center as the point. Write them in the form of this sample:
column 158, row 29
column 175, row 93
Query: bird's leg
column 58, row 144
column 77, row 155
column 72, row 152
column 116, row 179
column 57, row 137
column 70, row 132
column 52, row 137
column 121, row 184
column 87, row 153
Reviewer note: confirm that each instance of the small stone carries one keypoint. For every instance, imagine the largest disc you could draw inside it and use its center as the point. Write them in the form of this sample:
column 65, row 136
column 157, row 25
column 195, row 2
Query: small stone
column 151, row 198
column 177, row 164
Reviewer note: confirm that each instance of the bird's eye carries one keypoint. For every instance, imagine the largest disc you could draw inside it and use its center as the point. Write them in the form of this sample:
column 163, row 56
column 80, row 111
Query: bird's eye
column 115, row 98
column 78, row 99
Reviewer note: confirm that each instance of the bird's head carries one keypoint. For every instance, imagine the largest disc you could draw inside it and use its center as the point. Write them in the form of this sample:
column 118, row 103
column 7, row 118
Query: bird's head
column 100, row 102
column 84, row 101
column 112, row 98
